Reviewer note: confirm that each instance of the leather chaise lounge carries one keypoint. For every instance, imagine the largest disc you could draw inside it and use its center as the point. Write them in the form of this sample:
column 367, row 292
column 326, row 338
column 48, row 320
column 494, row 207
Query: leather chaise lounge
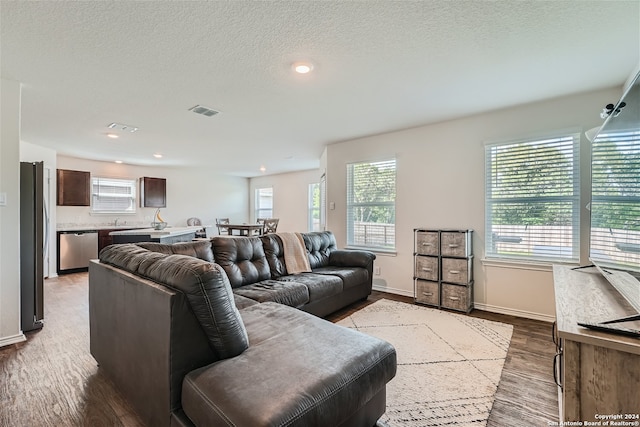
column 220, row 334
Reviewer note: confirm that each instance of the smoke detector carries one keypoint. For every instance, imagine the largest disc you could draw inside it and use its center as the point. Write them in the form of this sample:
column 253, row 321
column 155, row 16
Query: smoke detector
column 205, row 111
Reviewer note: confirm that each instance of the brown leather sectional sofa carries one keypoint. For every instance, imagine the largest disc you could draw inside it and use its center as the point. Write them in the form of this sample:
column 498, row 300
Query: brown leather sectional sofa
column 218, row 333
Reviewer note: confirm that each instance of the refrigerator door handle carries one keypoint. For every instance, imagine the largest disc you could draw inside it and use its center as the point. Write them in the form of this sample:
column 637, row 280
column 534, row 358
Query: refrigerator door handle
column 45, row 246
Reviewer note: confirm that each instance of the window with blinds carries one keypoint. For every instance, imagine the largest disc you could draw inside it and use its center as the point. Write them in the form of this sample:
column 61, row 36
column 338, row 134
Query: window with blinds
column 323, row 202
column 615, row 199
column 371, row 205
column 264, row 203
column 113, row 195
column 532, row 194
column 313, row 207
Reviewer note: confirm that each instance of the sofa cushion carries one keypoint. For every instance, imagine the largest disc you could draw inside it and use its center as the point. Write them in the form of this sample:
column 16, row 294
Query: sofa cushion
column 288, row 293
column 349, row 369
column 204, row 283
column 319, row 285
column 243, row 302
column 351, row 276
column 242, row 258
column 319, row 246
column 200, row 249
column 274, row 252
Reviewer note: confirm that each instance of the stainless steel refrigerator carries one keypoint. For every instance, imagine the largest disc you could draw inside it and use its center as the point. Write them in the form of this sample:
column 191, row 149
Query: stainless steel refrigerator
column 32, row 243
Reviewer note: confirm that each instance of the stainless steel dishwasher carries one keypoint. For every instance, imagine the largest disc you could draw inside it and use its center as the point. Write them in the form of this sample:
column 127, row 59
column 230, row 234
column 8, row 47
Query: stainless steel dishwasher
column 75, row 249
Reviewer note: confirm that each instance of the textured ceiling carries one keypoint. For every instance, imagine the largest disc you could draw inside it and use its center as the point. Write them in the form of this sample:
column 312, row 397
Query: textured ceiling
column 379, row 66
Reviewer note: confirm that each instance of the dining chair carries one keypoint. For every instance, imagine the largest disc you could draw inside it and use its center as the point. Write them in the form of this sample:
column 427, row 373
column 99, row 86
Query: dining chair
column 261, row 222
column 270, row 225
column 196, row 221
column 220, row 222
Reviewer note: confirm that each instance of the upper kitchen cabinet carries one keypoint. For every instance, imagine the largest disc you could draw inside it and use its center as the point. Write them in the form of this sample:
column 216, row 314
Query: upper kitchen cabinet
column 74, row 188
column 153, row 192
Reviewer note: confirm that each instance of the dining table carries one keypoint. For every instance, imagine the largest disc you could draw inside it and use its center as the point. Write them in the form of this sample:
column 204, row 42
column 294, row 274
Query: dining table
column 245, row 229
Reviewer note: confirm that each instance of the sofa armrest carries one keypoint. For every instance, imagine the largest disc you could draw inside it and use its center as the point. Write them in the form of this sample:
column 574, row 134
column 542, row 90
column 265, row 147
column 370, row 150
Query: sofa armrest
column 352, row 258
column 146, row 338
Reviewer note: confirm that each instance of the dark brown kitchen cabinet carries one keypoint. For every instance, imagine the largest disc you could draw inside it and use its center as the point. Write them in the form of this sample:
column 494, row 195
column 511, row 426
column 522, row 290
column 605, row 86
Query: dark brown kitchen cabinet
column 74, row 188
column 153, row 192
column 104, row 239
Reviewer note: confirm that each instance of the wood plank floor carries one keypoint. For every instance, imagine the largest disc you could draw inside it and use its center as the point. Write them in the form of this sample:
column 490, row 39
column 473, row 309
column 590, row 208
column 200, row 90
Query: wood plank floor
column 52, row 380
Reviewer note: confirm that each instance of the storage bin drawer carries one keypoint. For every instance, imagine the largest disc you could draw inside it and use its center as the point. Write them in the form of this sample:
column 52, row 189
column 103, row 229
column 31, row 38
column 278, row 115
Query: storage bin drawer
column 427, row 242
column 455, row 270
column 455, row 243
column 426, row 268
column 427, row 292
column 456, row 297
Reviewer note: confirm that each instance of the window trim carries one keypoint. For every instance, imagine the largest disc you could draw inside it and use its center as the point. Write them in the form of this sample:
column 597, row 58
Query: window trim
column 350, row 205
column 599, row 241
column 132, row 185
column 311, row 188
column 576, row 200
column 258, row 209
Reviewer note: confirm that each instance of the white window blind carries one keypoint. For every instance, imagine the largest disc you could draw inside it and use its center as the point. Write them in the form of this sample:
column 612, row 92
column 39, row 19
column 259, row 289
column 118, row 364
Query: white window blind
column 264, row 203
column 615, row 199
column 532, row 199
column 313, row 208
column 323, row 202
column 371, row 204
column 113, row 195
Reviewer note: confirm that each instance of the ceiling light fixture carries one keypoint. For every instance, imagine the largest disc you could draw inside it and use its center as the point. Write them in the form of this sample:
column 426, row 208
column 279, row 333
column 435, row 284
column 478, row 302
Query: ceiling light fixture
column 112, row 136
column 118, row 161
column 124, row 128
column 263, row 169
column 157, row 155
column 205, row 111
column 302, row 67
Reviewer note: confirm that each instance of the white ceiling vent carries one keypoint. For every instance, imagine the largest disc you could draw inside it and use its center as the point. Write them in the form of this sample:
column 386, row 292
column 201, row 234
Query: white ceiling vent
column 199, row 109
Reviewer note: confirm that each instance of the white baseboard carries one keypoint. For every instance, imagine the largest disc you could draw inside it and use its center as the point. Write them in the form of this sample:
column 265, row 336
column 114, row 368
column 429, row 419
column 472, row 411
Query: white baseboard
column 514, row 312
column 387, row 289
column 483, row 307
column 12, row 339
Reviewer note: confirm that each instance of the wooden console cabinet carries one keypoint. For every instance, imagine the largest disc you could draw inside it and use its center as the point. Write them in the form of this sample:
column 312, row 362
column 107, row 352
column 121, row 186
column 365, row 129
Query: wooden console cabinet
column 597, row 373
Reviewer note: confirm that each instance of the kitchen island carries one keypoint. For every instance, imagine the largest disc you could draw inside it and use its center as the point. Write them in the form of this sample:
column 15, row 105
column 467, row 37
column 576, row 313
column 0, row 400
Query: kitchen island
column 167, row 235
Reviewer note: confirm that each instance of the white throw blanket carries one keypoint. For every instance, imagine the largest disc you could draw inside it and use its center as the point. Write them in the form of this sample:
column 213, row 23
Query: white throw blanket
column 295, row 253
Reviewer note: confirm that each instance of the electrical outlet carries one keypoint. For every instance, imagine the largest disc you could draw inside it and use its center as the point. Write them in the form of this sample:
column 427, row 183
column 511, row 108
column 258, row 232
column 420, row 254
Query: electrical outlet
column 376, row 271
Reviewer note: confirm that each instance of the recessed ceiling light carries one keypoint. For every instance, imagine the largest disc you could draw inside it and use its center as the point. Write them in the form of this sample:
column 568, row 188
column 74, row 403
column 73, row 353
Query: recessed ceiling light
column 118, row 161
column 263, row 169
column 157, row 155
column 302, row 67
column 112, row 136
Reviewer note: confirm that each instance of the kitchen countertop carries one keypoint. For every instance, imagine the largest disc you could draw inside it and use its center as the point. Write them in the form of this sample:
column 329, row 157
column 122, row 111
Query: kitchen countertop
column 169, row 231
column 90, row 227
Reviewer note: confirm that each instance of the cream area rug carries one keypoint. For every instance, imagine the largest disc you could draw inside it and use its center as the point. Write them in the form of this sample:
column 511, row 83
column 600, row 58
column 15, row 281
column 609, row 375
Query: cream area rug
column 449, row 364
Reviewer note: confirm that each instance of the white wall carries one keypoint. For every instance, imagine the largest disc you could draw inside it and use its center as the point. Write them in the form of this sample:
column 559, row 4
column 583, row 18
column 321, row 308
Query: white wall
column 36, row 153
column 440, row 184
column 191, row 192
column 10, row 214
column 290, row 196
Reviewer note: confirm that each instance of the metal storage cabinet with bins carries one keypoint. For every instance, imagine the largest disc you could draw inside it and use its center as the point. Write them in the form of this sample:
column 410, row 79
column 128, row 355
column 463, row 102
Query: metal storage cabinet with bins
column 443, row 268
